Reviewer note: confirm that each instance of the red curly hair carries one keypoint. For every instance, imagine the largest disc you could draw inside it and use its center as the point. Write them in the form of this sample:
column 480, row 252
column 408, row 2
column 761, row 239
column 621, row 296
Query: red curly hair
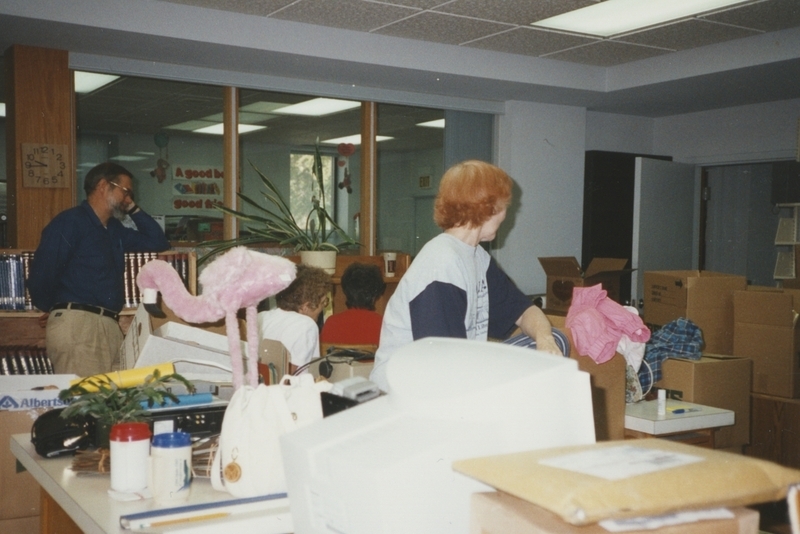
column 470, row 193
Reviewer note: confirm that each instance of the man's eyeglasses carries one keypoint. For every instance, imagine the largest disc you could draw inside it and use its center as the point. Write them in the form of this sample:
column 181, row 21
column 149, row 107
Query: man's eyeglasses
column 128, row 192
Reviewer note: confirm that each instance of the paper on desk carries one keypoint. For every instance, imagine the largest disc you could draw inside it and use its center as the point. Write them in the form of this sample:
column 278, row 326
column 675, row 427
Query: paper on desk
column 654, row 522
column 616, row 463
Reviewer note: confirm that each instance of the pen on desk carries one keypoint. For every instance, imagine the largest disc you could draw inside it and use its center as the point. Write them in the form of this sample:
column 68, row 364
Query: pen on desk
column 205, row 517
column 685, row 410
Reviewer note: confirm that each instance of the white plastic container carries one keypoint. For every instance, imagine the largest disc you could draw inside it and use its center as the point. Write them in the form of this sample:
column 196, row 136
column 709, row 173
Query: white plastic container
column 130, row 448
column 170, row 467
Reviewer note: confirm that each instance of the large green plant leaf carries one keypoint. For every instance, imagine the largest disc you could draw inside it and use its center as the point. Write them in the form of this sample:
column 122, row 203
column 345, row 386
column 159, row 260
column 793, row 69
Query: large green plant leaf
column 274, row 222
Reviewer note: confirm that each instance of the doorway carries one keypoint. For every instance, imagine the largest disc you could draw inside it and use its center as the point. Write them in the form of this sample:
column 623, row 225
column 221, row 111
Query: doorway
column 424, row 227
column 741, row 222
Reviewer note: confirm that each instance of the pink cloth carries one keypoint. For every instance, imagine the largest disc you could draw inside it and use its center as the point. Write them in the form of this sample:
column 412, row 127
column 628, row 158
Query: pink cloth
column 597, row 323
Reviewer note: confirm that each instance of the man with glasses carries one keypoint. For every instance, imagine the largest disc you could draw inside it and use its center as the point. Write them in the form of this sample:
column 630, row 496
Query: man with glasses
column 77, row 273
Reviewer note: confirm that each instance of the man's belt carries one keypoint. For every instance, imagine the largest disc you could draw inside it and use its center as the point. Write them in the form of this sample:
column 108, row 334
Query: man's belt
column 87, row 308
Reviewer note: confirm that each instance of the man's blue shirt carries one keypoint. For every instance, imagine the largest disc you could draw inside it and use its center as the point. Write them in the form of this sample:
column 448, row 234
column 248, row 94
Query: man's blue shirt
column 80, row 260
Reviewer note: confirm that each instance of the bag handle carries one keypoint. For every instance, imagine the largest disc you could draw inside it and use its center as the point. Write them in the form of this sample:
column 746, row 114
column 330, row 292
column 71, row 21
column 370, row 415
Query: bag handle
column 217, row 481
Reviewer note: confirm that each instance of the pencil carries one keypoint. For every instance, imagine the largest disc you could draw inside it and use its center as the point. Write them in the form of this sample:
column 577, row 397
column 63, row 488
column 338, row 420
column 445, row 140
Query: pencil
column 205, row 517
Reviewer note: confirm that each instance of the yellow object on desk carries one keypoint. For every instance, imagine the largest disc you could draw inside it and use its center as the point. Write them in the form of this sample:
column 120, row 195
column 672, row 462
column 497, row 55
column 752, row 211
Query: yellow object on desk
column 124, row 379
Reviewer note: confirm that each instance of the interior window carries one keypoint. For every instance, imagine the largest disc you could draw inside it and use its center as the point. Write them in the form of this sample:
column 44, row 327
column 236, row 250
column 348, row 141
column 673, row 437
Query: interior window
column 303, row 188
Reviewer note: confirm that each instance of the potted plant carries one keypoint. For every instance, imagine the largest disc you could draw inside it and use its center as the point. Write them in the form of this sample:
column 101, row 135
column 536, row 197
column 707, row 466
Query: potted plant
column 274, row 222
column 109, row 404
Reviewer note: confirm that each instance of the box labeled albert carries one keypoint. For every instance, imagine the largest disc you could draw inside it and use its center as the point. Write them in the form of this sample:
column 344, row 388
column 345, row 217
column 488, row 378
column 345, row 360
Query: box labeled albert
column 704, row 297
column 564, row 274
column 766, row 331
column 20, row 405
column 715, row 380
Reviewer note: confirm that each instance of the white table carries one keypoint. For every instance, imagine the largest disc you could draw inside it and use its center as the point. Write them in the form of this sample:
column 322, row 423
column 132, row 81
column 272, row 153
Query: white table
column 85, row 497
column 682, row 421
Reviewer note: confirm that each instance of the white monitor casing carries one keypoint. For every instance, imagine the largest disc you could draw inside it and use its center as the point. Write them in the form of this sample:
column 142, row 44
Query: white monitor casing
column 385, row 466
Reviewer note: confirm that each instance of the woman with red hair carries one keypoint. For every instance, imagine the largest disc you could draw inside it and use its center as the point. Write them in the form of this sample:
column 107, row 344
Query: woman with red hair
column 454, row 288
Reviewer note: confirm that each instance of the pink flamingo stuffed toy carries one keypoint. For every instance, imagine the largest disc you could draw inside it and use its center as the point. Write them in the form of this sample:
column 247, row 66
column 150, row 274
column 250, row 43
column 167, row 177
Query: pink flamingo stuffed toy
column 240, row 278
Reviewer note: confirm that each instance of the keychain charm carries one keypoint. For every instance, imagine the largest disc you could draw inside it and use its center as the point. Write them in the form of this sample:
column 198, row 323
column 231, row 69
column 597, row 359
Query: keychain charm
column 232, row 471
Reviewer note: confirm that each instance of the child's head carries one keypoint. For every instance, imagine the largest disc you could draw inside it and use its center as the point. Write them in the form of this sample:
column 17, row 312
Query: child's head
column 309, row 290
column 362, row 285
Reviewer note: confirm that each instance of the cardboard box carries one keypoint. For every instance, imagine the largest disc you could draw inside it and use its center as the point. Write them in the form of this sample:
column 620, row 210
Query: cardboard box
column 19, row 408
column 564, row 274
column 704, row 297
column 501, row 513
column 713, row 380
column 766, row 331
column 199, row 354
column 624, row 479
column 21, row 525
column 608, row 388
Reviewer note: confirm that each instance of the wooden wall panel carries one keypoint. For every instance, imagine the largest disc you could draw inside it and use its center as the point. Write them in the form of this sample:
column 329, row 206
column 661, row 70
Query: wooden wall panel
column 40, row 109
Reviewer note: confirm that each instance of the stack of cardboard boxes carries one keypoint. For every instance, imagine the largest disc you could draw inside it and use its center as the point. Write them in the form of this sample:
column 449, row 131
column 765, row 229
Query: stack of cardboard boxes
column 765, row 330
column 751, row 360
column 721, row 377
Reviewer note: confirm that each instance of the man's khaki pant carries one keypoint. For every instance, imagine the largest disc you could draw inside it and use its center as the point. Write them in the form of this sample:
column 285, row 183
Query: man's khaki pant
column 82, row 343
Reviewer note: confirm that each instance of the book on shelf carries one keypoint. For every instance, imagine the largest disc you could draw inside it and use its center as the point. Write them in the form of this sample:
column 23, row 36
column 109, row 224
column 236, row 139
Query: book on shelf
column 134, row 261
column 24, row 360
column 15, row 269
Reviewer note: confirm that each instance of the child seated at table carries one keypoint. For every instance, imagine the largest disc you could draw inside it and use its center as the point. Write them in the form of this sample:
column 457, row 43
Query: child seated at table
column 294, row 321
column 360, row 324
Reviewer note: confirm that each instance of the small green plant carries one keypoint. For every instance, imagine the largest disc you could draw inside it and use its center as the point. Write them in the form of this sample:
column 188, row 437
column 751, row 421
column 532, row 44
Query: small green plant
column 274, row 222
column 110, row 404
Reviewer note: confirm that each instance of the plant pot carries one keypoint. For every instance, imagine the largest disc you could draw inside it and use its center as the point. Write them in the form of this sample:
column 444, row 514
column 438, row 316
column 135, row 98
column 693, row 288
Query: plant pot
column 324, row 259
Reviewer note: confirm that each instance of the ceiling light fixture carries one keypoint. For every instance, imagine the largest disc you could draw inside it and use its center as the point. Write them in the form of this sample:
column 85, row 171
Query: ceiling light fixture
column 353, row 139
column 317, row 107
column 438, row 123
column 2, row 109
column 613, row 17
column 217, row 129
column 86, row 82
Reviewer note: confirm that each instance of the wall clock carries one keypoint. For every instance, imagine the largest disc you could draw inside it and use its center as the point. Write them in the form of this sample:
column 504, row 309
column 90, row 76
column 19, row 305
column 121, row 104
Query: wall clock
column 45, row 165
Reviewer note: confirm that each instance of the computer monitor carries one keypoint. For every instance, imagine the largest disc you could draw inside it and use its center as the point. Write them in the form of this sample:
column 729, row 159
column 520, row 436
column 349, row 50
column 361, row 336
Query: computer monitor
column 385, row 466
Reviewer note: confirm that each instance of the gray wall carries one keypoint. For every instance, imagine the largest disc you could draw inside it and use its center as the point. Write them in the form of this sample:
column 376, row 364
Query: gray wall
column 541, row 146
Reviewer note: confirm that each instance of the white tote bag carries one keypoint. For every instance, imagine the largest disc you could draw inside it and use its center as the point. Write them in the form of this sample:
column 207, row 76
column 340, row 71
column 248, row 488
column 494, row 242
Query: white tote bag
column 248, row 461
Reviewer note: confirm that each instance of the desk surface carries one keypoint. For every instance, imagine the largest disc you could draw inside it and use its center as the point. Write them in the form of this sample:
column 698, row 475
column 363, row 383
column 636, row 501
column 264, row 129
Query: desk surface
column 85, row 498
column 643, row 417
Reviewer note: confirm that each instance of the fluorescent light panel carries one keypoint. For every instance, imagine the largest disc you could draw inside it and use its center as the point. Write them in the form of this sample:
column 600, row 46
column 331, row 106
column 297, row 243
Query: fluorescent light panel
column 353, row 139
column 613, row 17
column 438, row 123
column 2, row 109
column 262, row 107
column 86, row 82
column 217, row 129
column 317, row 107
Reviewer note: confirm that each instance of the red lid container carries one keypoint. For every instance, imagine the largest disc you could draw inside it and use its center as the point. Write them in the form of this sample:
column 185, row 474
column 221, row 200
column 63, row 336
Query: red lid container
column 129, row 432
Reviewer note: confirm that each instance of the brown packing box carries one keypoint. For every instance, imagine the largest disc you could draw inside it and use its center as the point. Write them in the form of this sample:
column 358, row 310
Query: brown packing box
column 704, row 297
column 622, row 479
column 501, row 513
column 21, row 525
column 608, row 388
column 713, row 380
column 766, row 331
column 19, row 490
column 564, row 274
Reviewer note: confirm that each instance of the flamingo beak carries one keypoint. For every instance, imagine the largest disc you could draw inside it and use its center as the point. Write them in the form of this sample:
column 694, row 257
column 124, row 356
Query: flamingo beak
column 150, row 301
